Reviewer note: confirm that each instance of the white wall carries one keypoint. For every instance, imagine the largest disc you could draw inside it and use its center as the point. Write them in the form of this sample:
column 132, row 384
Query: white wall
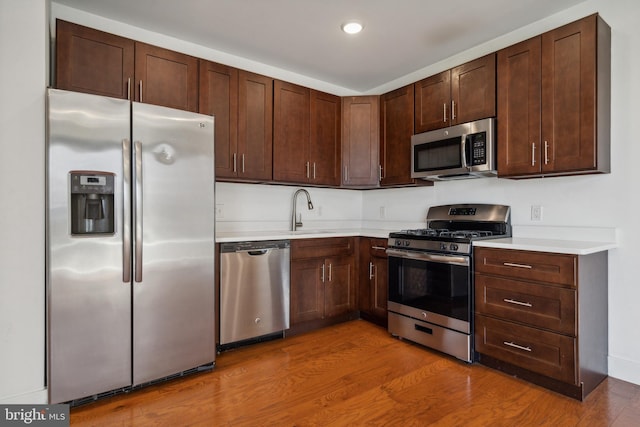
column 594, row 201
column 23, row 77
column 250, row 207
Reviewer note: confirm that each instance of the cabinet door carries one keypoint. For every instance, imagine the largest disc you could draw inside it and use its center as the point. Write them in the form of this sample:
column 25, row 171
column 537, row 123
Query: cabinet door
column 324, row 138
column 397, row 127
column 255, row 132
column 432, row 99
column 473, row 90
column 569, row 97
column 379, row 282
column 92, row 61
column 339, row 286
column 519, row 102
column 360, row 141
column 219, row 98
column 290, row 133
column 165, row 77
column 307, row 290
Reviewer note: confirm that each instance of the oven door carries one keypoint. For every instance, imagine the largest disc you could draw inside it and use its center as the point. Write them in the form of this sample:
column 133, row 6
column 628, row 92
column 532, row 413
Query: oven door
column 431, row 287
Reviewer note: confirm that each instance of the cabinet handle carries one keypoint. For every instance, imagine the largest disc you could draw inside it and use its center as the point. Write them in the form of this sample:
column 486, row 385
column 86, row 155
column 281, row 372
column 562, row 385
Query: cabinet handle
column 379, row 173
column 140, row 90
column 346, row 174
column 330, row 273
column 129, row 88
column 314, row 170
column 511, row 264
column 307, row 169
column 444, row 112
column 379, row 248
column 546, row 153
column 453, row 110
column 533, row 154
column 512, row 301
column 371, row 275
column 514, row 345
column 322, row 273
column 243, row 163
column 235, row 163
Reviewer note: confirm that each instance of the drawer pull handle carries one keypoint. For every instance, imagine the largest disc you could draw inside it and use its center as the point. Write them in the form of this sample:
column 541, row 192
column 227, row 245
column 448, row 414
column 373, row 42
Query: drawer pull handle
column 511, row 264
column 512, row 301
column 519, row 347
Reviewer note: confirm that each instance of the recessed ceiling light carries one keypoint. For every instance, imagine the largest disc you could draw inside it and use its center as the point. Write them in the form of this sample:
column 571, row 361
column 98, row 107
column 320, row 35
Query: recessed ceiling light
column 352, row 27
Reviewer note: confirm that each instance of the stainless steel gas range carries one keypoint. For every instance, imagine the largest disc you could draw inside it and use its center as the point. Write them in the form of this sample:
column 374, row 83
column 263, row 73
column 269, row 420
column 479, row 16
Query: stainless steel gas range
column 431, row 275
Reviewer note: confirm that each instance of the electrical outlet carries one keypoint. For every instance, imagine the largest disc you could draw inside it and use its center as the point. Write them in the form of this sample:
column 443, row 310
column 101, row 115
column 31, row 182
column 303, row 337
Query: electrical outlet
column 383, row 212
column 319, row 208
column 536, row 213
column 219, row 211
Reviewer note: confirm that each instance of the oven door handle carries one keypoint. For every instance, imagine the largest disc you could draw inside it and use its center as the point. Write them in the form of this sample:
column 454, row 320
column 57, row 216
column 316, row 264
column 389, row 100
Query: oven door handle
column 427, row 256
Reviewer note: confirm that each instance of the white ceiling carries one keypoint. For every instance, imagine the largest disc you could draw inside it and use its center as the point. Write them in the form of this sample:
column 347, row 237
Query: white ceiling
column 304, row 36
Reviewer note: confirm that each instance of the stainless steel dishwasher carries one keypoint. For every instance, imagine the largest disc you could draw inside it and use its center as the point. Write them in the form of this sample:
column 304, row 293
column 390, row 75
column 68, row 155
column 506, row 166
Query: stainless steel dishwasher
column 254, row 290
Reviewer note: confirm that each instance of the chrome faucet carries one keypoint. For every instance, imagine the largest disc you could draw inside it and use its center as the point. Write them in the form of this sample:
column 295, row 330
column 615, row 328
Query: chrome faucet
column 294, row 222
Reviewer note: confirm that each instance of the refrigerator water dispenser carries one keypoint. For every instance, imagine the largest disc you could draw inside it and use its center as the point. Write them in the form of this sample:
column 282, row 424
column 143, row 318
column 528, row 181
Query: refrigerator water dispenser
column 92, row 209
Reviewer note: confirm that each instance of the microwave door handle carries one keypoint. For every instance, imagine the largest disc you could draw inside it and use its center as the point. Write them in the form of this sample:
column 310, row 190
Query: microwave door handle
column 463, row 151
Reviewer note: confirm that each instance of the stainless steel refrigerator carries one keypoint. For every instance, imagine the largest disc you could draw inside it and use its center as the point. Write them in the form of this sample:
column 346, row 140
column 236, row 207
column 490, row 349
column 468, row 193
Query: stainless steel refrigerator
column 130, row 244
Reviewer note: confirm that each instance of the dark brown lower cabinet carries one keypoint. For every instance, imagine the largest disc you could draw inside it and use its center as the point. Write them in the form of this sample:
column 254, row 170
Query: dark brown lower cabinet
column 373, row 284
column 323, row 282
column 543, row 317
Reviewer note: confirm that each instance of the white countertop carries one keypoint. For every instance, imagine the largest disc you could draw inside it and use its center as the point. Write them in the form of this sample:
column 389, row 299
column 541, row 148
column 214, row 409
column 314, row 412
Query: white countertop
column 243, row 236
column 573, row 247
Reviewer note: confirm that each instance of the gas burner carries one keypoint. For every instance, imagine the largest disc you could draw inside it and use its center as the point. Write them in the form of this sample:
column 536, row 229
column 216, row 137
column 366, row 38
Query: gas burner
column 424, row 232
column 466, row 234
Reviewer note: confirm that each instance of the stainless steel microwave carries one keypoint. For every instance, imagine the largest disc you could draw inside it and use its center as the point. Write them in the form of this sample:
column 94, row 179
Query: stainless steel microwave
column 457, row 152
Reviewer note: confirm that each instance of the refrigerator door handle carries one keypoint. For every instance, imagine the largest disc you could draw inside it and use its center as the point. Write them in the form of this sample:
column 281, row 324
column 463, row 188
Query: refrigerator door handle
column 137, row 211
column 126, row 220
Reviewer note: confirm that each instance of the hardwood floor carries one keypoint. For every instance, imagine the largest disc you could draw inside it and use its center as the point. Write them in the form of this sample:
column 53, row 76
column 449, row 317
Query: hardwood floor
column 356, row 374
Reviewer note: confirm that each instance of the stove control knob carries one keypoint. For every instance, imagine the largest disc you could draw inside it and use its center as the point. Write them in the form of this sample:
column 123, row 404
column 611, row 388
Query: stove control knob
column 424, row 315
column 406, row 243
column 443, row 246
column 453, row 247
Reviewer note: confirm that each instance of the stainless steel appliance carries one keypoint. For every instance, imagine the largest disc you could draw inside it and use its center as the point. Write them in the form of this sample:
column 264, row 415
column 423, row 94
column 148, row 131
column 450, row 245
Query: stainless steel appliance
column 254, row 290
column 130, row 244
column 431, row 275
column 458, row 152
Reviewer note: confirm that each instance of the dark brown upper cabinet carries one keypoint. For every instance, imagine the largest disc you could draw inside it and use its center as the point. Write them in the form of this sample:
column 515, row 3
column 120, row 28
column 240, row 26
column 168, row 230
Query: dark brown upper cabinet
column 219, row 98
column 164, row 77
column 396, row 129
column 462, row 94
column 254, row 157
column 306, row 135
column 360, row 141
column 554, row 102
column 92, row 61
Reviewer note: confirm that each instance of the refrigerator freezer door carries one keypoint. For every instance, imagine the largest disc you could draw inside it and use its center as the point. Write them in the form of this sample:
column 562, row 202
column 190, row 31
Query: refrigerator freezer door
column 174, row 242
column 88, row 304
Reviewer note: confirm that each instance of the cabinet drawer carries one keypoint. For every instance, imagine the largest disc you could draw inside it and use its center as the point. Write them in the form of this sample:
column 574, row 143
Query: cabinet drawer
column 545, row 353
column 557, row 269
column 548, row 307
column 322, row 247
column 378, row 248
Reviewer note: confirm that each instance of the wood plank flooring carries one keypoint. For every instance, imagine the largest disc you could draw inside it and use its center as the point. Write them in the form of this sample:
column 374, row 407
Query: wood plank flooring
column 356, row 374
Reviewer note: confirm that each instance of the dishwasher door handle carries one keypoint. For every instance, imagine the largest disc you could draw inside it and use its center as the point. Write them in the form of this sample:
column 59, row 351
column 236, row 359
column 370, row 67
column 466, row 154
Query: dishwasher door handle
column 258, row 252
